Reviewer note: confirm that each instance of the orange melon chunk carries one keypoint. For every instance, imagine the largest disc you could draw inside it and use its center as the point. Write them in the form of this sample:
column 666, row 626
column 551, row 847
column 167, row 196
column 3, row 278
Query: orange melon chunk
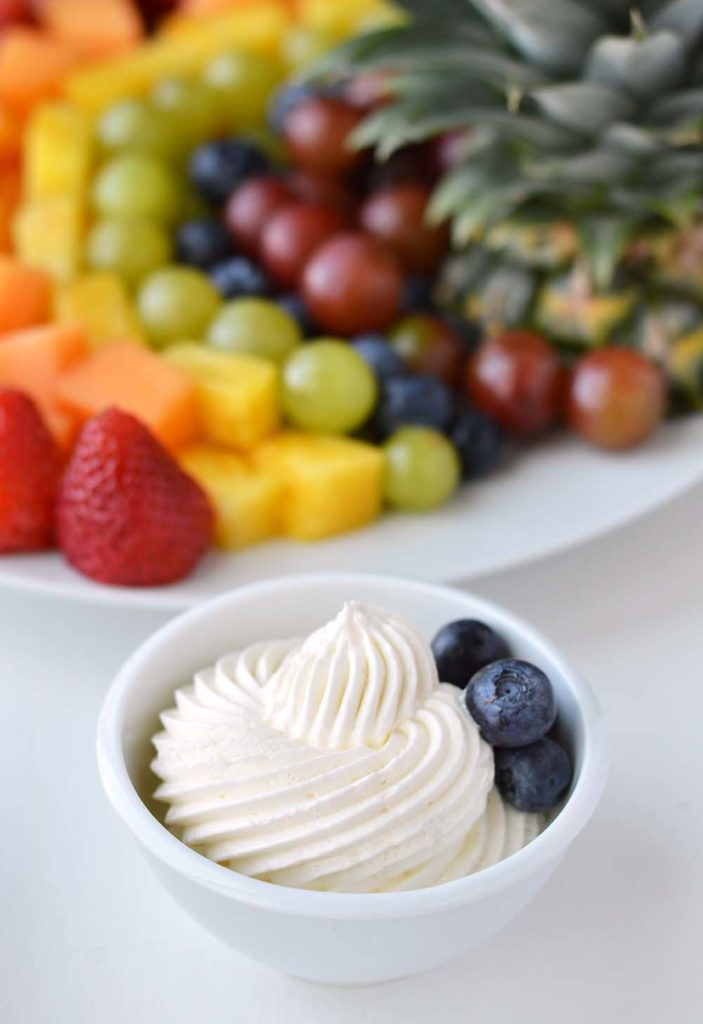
column 33, row 64
column 25, row 295
column 31, row 361
column 135, row 380
column 94, row 29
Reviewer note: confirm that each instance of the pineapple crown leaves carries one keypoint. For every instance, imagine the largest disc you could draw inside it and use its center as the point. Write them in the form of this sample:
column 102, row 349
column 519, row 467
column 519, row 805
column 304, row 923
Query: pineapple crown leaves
column 585, row 109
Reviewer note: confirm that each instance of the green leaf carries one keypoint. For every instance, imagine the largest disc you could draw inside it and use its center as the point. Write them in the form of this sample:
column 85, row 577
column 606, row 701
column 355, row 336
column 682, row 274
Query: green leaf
column 679, row 108
column 585, row 107
column 555, row 35
column 643, row 67
column 632, row 138
column 449, row 10
column 603, row 241
column 684, row 17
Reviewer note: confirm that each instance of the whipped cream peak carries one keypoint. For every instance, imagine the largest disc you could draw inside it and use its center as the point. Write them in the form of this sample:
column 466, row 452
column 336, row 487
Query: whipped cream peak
column 352, row 682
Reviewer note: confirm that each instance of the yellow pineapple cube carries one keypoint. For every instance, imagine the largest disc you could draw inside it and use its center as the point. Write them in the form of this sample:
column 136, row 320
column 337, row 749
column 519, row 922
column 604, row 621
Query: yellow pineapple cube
column 260, row 27
column 238, row 395
column 57, row 152
column 49, row 232
column 101, row 303
column 330, row 484
column 342, row 18
column 246, row 500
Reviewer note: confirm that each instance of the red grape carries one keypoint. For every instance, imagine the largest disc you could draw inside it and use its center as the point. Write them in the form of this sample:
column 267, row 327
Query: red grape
column 518, row 380
column 13, row 11
column 369, row 90
column 450, row 149
column 428, row 345
column 323, row 190
column 251, row 206
column 411, row 165
column 351, row 286
column 292, row 236
column 617, row 398
column 397, row 218
column 317, row 134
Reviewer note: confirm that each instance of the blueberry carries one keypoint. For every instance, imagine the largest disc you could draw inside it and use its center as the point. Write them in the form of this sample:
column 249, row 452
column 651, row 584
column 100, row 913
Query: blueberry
column 479, row 441
column 203, row 242
column 512, row 702
column 294, row 306
column 239, row 278
column 217, row 168
column 461, row 648
column 420, row 400
column 533, row 778
column 377, row 353
column 417, row 295
column 289, row 96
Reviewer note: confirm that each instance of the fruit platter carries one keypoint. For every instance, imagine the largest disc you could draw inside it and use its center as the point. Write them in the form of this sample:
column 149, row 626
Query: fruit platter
column 412, row 287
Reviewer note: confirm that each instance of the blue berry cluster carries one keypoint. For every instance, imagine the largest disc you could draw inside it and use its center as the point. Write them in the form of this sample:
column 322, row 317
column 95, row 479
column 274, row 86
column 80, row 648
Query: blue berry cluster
column 514, row 706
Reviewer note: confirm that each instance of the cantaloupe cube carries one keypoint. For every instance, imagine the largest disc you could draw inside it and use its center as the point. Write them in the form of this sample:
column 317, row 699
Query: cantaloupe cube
column 260, row 27
column 49, row 234
column 101, row 303
column 137, row 381
column 247, row 501
column 33, row 360
column 238, row 395
column 11, row 131
column 25, row 296
column 33, row 65
column 330, row 484
column 94, row 28
column 58, row 151
column 10, row 191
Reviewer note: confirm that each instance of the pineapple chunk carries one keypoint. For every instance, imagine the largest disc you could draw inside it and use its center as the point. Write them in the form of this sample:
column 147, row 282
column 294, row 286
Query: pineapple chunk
column 237, row 394
column 100, row 302
column 685, row 364
column 569, row 311
column 331, row 484
column 343, row 17
column 260, row 27
column 247, row 501
column 58, row 151
column 48, row 234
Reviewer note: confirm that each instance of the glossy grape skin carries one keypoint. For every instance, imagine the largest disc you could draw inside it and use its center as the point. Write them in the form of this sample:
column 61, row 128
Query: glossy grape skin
column 242, row 84
column 254, row 327
column 369, row 90
column 422, row 469
column 397, row 218
column 617, row 398
column 328, row 388
column 130, row 248
column 293, row 93
column 518, row 380
column 138, row 187
column 190, row 107
column 352, row 286
column 324, row 190
column 135, row 126
column 238, row 278
column 428, row 345
column 318, row 135
column 176, row 304
column 251, row 206
column 292, row 236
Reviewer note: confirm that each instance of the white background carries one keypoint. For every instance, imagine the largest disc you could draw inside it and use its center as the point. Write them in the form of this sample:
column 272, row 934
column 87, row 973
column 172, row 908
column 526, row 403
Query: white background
column 88, row 937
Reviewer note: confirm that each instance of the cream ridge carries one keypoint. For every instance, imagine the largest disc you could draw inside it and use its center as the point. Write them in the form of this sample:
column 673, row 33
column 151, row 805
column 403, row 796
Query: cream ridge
column 339, row 762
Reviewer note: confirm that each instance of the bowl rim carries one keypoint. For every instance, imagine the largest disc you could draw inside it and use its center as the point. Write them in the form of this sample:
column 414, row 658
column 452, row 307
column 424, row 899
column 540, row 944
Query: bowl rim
column 155, row 838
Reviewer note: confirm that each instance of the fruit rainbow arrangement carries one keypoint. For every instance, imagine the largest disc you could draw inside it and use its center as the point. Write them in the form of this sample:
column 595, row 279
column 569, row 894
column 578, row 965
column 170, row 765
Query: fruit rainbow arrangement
column 224, row 317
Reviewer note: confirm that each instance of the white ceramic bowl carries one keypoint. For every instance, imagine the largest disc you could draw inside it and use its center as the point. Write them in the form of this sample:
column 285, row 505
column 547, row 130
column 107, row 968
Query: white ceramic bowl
column 333, row 937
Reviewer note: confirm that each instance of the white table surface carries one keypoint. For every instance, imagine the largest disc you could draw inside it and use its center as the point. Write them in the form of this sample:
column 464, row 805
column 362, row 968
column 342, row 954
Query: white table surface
column 88, row 937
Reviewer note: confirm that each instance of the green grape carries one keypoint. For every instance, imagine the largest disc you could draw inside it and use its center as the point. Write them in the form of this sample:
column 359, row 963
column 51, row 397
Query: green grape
column 302, row 47
column 130, row 248
column 135, row 126
column 328, row 388
column 422, row 469
column 244, row 83
column 192, row 109
column 138, row 186
column 177, row 304
column 254, row 327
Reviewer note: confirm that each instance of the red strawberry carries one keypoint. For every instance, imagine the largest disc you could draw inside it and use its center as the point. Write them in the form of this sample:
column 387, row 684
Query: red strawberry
column 30, row 470
column 127, row 514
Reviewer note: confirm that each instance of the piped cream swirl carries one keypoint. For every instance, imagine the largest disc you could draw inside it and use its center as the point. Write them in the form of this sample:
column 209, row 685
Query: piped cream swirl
column 338, row 763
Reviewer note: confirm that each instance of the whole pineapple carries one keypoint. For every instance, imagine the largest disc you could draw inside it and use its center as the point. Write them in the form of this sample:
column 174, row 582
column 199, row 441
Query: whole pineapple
column 578, row 205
